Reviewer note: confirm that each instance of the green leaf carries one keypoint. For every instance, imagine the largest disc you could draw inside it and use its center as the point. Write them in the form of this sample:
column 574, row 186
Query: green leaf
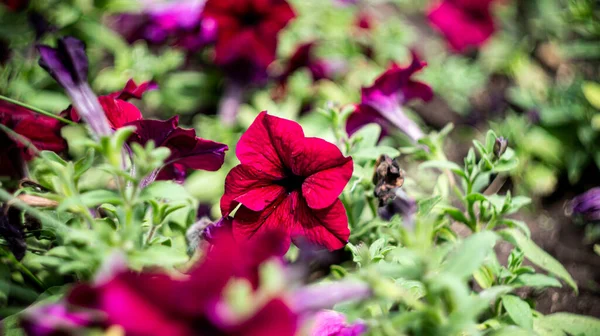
column 443, row 165
column 513, row 223
column 96, row 197
column 374, row 153
column 536, row 280
column 166, row 190
column 427, row 204
column 490, row 141
column 467, row 258
column 457, row 215
column 567, row 324
column 518, row 310
column 83, row 164
column 367, row 136
column 537, row 256
column 511, row 331
column 591, row 91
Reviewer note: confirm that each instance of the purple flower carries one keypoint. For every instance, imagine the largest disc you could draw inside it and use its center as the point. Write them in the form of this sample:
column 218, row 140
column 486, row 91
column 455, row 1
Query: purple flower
column 587, row 205
column 68, row 65
column 382, row 103
column 332, row 323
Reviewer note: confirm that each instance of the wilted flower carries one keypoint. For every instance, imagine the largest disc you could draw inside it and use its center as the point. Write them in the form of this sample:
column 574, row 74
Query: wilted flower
column 401, row 204
column 11, row 230
column 247, row 34
column 332, row 323
column 68, row 65
column 386, row 178
column 382, row 103
column 287, row 182
column 158, row 304
column 587, row 205
column 466, row 24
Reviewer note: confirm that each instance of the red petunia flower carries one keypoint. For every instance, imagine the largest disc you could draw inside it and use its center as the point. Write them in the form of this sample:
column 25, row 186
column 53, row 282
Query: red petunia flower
column 287, row 183
column 27, row 138
column 466, row 24
column 158, row 304
column 382, row 102
column 247, row 34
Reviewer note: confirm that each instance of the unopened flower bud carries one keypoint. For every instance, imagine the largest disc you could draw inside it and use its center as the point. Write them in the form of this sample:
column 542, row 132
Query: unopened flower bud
column 500, row 146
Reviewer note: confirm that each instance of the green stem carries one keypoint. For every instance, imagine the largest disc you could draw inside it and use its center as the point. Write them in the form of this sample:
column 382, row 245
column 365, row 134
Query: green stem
column 37, row 110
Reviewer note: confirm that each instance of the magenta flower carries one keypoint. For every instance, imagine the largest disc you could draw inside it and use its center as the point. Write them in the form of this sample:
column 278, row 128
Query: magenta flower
column 157, row 304
column 247, row 34
column 287, row 183
column 332, row 323
column 587, row 205
column 466, row 24
column 57, row 319
column 180, row 23
column 382, row 103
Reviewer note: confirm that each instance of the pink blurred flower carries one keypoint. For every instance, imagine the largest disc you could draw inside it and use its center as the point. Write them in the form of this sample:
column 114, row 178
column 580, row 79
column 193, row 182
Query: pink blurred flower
column 332, row 323
column 466, row 24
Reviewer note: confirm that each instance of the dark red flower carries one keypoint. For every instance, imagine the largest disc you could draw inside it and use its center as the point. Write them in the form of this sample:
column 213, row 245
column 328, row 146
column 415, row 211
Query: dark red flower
column 287, row 183
column 247, row 34
column 466, row 24
column 27, row 138
column 187, row 150
column 16, row 5
column 304, row 57
column 157, row 304
column 382, row 102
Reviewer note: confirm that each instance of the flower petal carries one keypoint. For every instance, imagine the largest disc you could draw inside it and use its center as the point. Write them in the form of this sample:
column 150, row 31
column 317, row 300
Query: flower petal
column 327, row 171
column 250, row 187
column 119, row 112
column 193, row 152
column 132, row 90
column 67, row 63
column 326, row 227
column 156, row 130
column 275, row 318
column 291, row 215
column 267, row 144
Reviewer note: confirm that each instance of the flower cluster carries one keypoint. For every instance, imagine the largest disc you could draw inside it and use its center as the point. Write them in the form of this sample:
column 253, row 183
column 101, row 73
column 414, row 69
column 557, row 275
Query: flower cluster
column 154, row 303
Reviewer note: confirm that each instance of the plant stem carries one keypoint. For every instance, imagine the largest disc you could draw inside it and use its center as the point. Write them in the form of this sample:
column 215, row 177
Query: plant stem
column 37, row 110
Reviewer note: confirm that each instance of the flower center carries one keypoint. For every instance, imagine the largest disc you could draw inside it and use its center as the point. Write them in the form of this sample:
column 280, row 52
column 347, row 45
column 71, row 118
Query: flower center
column 291, row 182
column 251, row 18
